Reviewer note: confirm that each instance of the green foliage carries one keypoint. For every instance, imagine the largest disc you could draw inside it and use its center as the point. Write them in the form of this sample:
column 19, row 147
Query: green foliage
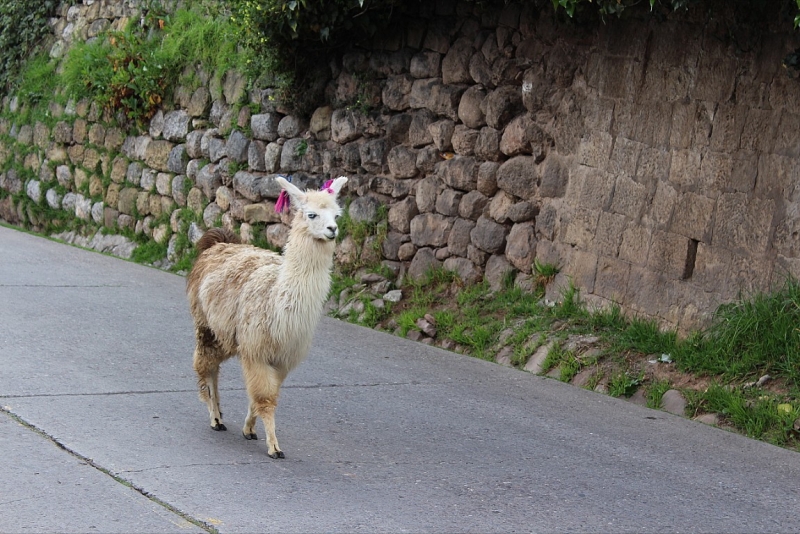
column 407, row 320
column 290, row 40
column 371, row 315
column 570, row 305
column 554, row 357
column 644, row 335
column 617, row 8
column 736, row 17
column 341, row 282
column 23, row 24
column 750, row 411
column 360, row 231
column 751, row 336
column 569, row 368
column 655, row 391
column 133, row 71
column 565, row 361
column 149, row 252
column 544, row 273
column 185, row 251
column 623, row 383
column 123, row 71
column 38, row 81
column 204, row 35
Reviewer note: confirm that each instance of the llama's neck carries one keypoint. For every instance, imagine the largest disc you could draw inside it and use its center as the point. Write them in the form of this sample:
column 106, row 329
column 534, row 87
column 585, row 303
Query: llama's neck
column 305, row 276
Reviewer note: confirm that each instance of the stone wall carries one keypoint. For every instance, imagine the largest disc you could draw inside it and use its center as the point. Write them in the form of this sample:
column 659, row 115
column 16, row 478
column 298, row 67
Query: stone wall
column 654, row 163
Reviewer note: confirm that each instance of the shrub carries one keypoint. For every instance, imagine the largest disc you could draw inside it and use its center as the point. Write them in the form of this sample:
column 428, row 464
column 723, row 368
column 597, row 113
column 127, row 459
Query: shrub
column 132, row 71
column 291, row 40
column 23, row 24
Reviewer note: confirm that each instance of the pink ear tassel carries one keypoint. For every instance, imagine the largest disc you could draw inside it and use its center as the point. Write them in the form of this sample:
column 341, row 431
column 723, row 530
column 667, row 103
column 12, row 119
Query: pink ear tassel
column 283, row 202
column 327, row 187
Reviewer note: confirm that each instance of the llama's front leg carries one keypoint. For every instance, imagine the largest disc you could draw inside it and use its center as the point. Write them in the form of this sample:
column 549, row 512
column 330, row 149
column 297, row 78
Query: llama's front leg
column 263, row 386
column 206, row 365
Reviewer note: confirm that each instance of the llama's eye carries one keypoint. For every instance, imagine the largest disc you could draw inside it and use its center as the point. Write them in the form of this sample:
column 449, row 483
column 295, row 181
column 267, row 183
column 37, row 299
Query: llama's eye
column 312, row 215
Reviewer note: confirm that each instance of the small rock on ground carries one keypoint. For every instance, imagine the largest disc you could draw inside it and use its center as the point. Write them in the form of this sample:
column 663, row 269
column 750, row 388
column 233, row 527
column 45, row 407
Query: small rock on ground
column 427, row 328
column 582, row 378
column 535, row 362
column 414, row 335
column 638, row 398
column 504, row 356
column 708, row 418
column 673, row 402
column 393, row 296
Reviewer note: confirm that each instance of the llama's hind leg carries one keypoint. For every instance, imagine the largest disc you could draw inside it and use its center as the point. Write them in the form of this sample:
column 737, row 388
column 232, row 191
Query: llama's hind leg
column 207, row 359
column 263, row 386
column 249, row 430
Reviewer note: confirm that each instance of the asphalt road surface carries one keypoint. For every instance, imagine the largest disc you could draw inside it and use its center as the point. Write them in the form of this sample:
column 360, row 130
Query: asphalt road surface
column 101, row 430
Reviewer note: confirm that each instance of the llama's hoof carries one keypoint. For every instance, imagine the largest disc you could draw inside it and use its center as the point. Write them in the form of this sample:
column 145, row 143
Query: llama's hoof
column 251, row 435
column 276, row 455
column 219, row 426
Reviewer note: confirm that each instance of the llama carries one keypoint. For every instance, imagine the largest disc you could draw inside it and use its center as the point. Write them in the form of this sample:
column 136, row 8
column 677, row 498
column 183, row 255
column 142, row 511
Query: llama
column 261, row 305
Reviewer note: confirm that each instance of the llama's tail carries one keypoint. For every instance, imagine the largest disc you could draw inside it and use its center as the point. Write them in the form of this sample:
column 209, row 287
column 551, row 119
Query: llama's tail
column 215, row 236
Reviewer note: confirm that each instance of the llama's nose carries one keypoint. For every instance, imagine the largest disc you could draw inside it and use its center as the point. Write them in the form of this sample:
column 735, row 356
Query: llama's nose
column 332, row 229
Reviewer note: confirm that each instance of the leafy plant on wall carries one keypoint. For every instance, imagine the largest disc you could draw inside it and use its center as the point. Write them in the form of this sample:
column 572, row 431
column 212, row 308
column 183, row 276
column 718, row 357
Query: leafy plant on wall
column 124, row 71
column 291, row 40
column 132, row 72
column 23, row 24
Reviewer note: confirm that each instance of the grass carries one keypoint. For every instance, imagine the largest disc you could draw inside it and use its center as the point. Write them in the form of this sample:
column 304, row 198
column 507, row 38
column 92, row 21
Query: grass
column 655, row 392
column 751, row 411
column 750, row 337
column 38, row 85
column 129, row 70
column 149, row 252
column 746, row 340
column 623, row 384
column 360, row 231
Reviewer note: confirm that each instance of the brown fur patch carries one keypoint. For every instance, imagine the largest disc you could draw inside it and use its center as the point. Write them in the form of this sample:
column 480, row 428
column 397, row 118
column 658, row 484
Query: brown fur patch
column 215, row 236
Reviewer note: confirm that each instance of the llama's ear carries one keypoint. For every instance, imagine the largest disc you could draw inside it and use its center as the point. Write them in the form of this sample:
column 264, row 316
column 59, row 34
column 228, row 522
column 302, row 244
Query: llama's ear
column 337, row 184
column 298, row 196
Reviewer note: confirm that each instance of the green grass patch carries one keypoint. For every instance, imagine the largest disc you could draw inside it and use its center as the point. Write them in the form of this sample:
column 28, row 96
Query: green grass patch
column 554, row 357
column 752, row 412
column 624, row 383
column 570, row 366
column 371, row 315
column 340, row 282
column 750, row 337
column 133, row 71
column 642, row 335
column 655, row 391
column 37, row 87
column 149, row 252
column 407, row 320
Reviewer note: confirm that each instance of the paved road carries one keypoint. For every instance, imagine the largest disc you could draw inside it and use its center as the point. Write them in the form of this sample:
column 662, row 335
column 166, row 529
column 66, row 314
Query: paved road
column 102, row 431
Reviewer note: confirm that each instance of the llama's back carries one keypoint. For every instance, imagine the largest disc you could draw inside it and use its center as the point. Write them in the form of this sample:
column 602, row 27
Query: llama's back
column 214, row 286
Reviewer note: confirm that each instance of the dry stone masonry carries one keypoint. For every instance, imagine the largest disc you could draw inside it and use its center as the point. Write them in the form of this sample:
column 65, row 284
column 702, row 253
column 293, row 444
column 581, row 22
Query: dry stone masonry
column 654, row 163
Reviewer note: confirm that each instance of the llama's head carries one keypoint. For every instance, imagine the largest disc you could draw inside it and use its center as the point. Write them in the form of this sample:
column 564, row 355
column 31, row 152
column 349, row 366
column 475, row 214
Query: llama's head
column 316, row 211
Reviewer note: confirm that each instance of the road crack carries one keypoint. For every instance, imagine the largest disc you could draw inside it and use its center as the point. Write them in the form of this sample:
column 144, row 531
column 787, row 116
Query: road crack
column 127, row 483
